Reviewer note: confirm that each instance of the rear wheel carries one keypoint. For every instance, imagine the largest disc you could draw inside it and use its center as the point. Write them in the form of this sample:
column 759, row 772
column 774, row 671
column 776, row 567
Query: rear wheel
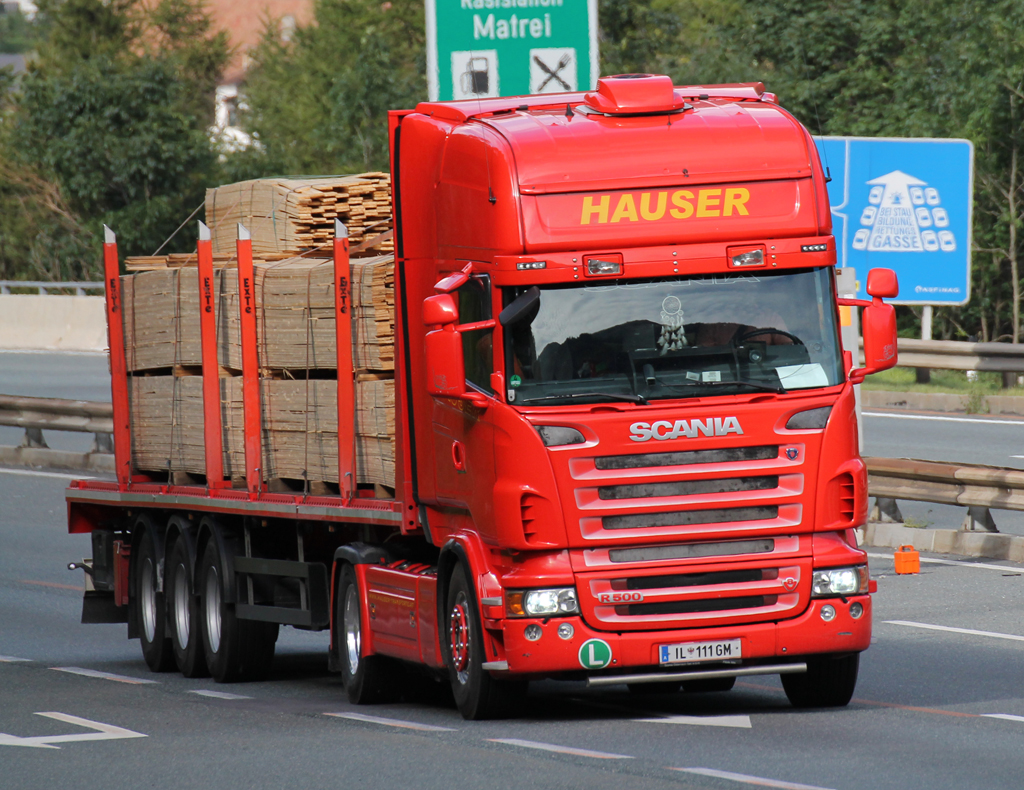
column 149, row 603
column 828, row 683
column 234, row 649
column 365, row 677
column 477, row 694
column 183, row 613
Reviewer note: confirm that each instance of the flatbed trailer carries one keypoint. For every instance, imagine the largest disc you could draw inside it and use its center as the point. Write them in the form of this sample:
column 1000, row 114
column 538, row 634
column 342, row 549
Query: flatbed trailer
column 589, row 484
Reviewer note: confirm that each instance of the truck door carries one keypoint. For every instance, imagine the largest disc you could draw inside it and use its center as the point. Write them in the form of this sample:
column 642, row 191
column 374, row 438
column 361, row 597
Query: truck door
column 463, row 436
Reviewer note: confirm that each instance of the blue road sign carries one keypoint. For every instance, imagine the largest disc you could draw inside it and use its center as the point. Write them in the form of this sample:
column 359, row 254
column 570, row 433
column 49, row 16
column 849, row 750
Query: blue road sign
column 904, row 204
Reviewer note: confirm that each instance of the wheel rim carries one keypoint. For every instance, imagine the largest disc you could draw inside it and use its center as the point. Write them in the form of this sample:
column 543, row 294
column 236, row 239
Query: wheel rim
column 213, row 622
column 353, row 639
column 458, row 627
column 181, row 613
column 148, row 599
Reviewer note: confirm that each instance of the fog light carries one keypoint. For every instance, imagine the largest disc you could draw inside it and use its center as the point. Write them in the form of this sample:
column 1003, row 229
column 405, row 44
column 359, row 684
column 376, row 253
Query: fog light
column 856, row 610
column 533, row 632
column 603, row 266
column 828, row 613
column 566, row 631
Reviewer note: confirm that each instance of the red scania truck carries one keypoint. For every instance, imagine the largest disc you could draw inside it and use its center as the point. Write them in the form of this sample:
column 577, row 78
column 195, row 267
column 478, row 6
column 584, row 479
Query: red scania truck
column 626, row 448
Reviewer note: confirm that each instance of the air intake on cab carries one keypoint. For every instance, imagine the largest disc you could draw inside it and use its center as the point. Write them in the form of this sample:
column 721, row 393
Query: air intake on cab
column 635, row 94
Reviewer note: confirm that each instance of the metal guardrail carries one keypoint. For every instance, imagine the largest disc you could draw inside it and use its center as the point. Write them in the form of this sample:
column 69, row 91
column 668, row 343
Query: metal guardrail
column 979, row 488
column 959, row 355
column 45, row 288
column 35, row 415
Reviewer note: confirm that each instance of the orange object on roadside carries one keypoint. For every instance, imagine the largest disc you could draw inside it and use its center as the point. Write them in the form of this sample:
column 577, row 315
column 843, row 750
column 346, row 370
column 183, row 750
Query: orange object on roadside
column 907, row 560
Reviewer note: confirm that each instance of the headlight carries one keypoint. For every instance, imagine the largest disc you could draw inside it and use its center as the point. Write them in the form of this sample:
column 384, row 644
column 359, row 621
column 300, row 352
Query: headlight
column 559, row 435
column 542, row 603
column 840, row 581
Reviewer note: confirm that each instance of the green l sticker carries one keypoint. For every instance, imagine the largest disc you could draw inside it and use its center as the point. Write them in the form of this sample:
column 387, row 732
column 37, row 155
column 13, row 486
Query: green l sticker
column 595, row 654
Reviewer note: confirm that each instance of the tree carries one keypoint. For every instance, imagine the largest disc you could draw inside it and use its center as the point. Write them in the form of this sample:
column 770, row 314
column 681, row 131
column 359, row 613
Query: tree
column 109, row 126
column 319, row 102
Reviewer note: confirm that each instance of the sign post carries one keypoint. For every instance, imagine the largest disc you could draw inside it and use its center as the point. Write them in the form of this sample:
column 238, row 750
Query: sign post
column 479, row 49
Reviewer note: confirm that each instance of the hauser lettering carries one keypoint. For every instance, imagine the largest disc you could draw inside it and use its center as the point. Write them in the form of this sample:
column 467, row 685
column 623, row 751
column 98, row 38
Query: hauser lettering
column 685, row 203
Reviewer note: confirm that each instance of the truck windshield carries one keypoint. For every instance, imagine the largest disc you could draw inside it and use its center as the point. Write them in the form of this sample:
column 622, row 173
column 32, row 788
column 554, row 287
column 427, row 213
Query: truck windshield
column 675, row 338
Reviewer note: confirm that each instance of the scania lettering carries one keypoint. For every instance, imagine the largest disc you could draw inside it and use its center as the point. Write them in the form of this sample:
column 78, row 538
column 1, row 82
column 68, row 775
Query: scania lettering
column 625, row 437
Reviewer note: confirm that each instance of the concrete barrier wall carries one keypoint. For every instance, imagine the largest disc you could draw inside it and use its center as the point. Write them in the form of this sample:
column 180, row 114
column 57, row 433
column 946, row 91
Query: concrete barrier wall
column 52, row 323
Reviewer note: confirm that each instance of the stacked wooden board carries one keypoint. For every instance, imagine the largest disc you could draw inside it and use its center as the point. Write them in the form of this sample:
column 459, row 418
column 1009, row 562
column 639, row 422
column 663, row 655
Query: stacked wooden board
column 296, row 345
column 292, row 214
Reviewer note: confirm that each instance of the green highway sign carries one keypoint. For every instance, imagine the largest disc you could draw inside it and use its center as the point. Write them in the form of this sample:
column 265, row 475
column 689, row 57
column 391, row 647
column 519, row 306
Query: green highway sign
column 483, row 48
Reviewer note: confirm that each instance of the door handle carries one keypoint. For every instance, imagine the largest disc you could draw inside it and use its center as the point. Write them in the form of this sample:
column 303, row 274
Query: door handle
column 459, row 456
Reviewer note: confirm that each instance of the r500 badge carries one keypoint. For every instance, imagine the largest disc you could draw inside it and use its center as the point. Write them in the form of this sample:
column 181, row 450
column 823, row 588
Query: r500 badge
column 620, row 597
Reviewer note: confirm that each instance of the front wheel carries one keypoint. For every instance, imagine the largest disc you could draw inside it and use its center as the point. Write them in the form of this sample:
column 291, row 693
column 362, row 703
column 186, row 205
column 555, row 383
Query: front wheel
column 477, row 694
column 365, row 677
column 828, row 682
column 234, row 649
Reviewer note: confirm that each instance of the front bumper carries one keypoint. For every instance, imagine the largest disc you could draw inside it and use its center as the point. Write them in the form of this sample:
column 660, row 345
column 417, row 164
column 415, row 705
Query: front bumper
column 800, row 636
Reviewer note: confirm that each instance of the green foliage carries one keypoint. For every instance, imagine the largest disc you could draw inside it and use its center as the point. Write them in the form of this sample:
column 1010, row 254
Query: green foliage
column 108, row 126
column 319, row 102
column 17, row 34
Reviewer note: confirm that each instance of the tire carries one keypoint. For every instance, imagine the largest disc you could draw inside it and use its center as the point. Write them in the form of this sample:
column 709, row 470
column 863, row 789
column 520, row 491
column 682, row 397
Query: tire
column 652, row 689
column 366, row 678
column 708, row 684
column 183, row 613
column 828, row 683
column 477, row 694
column 148, row 601
column 234, row 649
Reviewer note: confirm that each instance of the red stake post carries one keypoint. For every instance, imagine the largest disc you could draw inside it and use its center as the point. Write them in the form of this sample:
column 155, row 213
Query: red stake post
column 346, row 387
column 211, row 369
column 118, row 365
column 250, row 363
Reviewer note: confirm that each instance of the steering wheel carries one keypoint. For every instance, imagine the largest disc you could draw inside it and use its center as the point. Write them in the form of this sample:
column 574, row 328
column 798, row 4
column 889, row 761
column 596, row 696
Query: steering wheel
column 767, row 331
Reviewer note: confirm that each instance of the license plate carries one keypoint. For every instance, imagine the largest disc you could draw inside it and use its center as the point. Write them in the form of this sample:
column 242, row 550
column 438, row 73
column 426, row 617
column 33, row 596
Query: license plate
column 692, row 652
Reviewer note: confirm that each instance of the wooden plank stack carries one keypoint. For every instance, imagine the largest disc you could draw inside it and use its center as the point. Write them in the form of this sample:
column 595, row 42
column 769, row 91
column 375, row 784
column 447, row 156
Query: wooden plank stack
column 296, row 343
column 292, row 214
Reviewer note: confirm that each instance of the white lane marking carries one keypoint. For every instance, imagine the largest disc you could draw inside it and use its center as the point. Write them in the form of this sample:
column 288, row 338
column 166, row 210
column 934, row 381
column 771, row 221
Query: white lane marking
column 750, row 780
column 12, row 659
column 706, row 721
column 95, row 673
column 105, row 732
column 940, row 419
column 551, row 747
column 968, row 631
column 218, row 694
column 961, row 563
column 34, row 473
column 1017, row 456
column 1006, row 716
column 405, row 725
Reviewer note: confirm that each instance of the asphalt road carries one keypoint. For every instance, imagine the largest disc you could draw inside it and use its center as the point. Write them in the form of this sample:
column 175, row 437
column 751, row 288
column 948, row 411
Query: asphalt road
column 933, row 709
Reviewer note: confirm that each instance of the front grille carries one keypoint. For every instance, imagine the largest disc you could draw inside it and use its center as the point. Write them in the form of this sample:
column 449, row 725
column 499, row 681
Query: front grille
column 689, row 487
column 681, row 518
column 687, row 457
column 695, row 607
column 699, row 579
column 689, row 550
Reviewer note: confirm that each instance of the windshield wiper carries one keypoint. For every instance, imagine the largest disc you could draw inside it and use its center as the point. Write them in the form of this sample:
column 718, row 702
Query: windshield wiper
column 778, row 389
column 571, row 395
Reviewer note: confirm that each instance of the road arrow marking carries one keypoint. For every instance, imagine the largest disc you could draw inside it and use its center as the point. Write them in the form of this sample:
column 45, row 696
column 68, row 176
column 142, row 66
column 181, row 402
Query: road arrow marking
column 218, row 694
column 740, row 721
column 105, row 732
column 12, row 659
column 95, row 673
column 1005, row 716
column 551, row 747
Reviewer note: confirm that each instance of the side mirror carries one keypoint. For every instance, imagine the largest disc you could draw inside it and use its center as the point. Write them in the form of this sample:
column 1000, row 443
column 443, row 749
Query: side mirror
column 440, row 310
column 878, row 325
column 446, row 370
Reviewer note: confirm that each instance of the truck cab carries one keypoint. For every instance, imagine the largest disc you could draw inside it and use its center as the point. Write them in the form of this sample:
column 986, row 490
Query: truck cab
column 630, row 416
